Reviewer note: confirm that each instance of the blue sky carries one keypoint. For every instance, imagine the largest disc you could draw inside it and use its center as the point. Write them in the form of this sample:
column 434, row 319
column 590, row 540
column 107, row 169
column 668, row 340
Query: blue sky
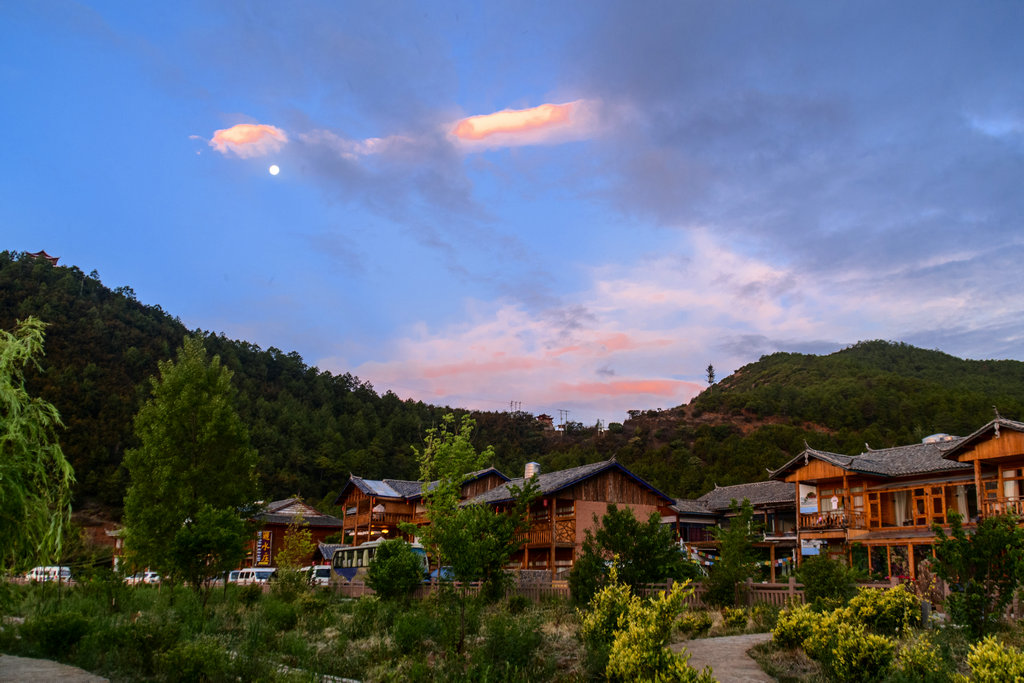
column 574, row 205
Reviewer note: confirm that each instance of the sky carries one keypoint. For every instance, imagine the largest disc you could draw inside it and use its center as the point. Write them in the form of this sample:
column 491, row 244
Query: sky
column 551, row 206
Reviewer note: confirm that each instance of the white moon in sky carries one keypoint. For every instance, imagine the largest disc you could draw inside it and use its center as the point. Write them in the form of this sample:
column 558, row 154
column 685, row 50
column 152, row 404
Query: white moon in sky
column 274, row 170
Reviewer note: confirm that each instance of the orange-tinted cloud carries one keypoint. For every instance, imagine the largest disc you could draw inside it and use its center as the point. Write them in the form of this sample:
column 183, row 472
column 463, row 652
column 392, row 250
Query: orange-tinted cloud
column 483, row 368
column 248, row 140
column 514, row 121
column 652, row 387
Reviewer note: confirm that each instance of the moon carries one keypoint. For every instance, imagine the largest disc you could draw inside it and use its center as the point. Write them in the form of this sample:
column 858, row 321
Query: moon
column 274, row 170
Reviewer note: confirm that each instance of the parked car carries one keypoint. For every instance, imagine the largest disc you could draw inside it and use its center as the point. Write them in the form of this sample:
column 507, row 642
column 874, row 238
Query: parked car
column 318, row 574
column 254, row 575
column 49, row 574
column 146, row 577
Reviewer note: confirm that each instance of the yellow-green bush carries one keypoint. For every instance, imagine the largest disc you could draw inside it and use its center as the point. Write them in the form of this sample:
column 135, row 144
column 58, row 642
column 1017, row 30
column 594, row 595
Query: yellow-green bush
column 794, row 626
column 857, row 655
column 694, row 624
column 891, row 611
column 992, row 662
column 919, row 660
column 735, row 617
column 765, row 616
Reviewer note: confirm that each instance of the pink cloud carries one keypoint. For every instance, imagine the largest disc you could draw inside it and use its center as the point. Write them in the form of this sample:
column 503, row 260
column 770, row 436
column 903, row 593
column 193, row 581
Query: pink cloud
column 512, row 121
column 483, row 368
column 649, row 387
column 248, row 140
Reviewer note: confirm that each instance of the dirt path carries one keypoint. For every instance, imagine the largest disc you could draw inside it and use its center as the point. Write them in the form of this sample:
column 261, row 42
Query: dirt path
column 23, row 669
column 727, row 656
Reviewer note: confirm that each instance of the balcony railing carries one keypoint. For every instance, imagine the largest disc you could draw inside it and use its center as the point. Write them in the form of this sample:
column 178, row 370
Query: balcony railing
column 565, row 532
column 384, row 518
column 1002, row 506
column 833, row 519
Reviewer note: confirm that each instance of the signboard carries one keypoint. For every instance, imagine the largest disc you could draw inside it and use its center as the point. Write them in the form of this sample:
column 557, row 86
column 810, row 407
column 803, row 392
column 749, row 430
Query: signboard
column 264, row 541
column 810, row 547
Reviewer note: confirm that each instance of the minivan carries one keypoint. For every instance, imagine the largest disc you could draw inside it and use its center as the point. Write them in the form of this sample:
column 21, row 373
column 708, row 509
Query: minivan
column 49, row 574
column 254, row 575
column 318, row 574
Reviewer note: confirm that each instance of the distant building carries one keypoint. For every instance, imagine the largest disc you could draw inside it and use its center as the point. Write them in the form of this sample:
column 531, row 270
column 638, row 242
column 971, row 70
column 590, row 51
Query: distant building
column 273, row 522
column 43, row 255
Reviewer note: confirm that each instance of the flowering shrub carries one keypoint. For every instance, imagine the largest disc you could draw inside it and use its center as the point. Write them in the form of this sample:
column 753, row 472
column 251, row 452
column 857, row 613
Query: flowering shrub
column 794, row 626
column 857, row 655
column 694, row 624
column 921, row 661
column 601, row 620
column 640, row 650
column 735, row 617
column 765, row 616
column 886, row 611
column 992, row 662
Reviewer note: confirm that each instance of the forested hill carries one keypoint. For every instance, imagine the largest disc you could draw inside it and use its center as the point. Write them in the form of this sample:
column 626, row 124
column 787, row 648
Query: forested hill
column 313, row 428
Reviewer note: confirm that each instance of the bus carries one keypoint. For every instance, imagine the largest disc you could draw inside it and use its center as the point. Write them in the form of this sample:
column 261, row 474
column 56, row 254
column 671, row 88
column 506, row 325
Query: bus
column 349, row 564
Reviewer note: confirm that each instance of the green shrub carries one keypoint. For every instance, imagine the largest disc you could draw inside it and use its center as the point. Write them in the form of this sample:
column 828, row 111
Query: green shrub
column 599, row 623
column 55, row 635
column 510, row 642
column 694, row 624
column 279, row 615
column 411, row 628
column 250, row 594
column 288, row 585
column 828, row 583
column 735, row 617
column 202, row 659
column 992, row 662
column 765, row 616
column 517, row 604
column 395, row 570
column 920, row 660
column 794, row 626
column 890, row 611
column 860, row 656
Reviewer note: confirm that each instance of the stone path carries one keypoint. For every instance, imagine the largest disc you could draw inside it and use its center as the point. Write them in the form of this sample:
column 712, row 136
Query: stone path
column 727, row 656
column 25, row 670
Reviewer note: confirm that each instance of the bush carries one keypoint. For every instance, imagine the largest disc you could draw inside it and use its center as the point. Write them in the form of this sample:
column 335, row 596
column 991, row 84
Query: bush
column 517, row 604
column 56, row 634
column 202, row 659
column 735, row 617
column 921, row 661
column 279, row 615
column 765, row 616
column 859, row 656
column 395, row 570
column 828, row 583
column 600, row 622
column 411, row 628
column 794, row 626
column 992, row 662
column 250, row 594
column 694, row 624
column 891, row 611
column 510, row 642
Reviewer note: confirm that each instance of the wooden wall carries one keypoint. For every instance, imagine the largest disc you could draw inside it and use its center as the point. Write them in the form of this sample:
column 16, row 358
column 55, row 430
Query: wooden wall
column 1008, row 444
column 612, row 486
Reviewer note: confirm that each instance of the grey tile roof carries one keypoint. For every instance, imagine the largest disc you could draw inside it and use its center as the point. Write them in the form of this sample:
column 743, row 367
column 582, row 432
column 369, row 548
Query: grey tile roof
column 685, row 505
column 405, row 488
column 900, row 461
column 991, row 427
column 552, row 482
column 327, row 549
column 758, row 493
column 310, row 520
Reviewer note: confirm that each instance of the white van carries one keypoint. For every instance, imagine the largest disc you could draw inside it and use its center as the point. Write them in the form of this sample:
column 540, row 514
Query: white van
column 318, row 574
column 49, row 574
column 254, row 575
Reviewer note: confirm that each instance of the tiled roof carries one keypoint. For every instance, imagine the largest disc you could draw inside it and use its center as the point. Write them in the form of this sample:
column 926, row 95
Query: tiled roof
column 285, row 511
column 327, row 549
column 405, row 488
column 552, row 482
column 311, row 520
column 992, row 427
column 685, row 505
column 758, row 493
column 901, row 461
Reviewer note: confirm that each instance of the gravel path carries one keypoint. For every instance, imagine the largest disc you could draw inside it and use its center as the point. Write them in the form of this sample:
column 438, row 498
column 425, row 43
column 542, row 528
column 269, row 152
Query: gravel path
column 727, row 656
column 25, row 670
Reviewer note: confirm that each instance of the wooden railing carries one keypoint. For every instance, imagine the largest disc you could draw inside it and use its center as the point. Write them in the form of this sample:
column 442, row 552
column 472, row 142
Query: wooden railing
column 834, row 519
column 1002, row 506
column 389, row 518
column 565, row 532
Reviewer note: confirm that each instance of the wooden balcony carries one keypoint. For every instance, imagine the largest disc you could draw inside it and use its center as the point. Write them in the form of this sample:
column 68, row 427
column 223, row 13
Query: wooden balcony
column 833, row 519
column 379, row 518
column 540, row 534
column 1002, row 506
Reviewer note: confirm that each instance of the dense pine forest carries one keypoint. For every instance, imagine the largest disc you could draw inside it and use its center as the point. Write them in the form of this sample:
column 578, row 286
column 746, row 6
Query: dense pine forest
column 313, row 428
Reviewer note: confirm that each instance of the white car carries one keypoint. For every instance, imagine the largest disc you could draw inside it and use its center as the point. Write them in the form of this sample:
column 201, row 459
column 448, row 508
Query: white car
column 146, row 577
column 254, row 575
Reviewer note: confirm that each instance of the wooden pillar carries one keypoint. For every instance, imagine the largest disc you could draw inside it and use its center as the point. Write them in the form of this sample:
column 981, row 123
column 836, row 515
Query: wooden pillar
column 978, row 493
column 799, row 551
column 910, row 559
column 771, row 561
column 551, row 515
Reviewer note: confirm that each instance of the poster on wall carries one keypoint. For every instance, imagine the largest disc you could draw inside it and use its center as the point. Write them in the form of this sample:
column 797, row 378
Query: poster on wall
column 810, row 547
column 263, row 543
column 808, row 498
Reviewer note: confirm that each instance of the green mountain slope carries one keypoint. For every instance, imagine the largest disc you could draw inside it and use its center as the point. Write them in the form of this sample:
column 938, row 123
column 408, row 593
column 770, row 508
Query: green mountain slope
column 313, row 428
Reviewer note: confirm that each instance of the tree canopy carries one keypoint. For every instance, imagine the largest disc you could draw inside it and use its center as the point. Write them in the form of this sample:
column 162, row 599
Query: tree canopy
column 193, row 470
column 35, row 478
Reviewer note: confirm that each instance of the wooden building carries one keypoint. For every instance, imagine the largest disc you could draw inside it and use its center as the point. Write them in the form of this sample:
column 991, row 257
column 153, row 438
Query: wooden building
column 695, row 520
column 567, row 506
column 877, row 508
column 274, row 521
column 374, row 508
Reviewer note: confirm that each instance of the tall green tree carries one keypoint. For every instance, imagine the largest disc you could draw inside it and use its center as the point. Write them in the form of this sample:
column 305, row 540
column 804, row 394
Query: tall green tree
column 192, row 473
column 35, row 478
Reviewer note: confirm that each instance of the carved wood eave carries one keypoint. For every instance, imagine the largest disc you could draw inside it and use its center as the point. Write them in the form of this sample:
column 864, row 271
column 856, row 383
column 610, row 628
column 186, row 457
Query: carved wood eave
column 1008, row 446
column 815, row 470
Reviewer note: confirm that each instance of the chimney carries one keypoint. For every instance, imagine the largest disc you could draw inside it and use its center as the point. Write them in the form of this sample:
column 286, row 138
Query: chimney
column 532, row 468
